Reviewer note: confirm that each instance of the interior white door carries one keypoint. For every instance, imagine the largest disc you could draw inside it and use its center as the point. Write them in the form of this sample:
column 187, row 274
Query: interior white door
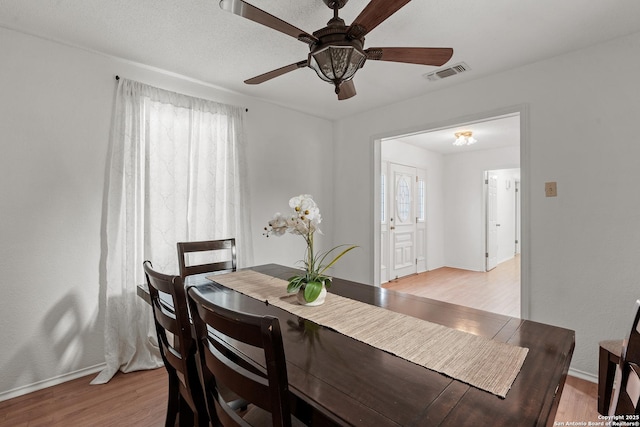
column 491, row 183
column 402, row 222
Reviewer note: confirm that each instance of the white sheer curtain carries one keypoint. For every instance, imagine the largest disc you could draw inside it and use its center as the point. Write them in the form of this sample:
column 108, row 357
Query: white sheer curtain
column 176, row 173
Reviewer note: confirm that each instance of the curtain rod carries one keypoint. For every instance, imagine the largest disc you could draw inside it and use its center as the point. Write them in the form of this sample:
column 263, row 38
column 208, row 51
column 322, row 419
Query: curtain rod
column 118, row 78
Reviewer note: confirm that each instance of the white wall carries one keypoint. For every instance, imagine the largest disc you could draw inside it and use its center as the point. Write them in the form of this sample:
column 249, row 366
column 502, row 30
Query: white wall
column 585, row 244
column 464, row 245
column 55, row 113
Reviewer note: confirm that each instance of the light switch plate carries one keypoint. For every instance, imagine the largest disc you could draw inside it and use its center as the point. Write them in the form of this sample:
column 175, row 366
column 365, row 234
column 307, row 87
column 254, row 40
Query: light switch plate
column 550, row 189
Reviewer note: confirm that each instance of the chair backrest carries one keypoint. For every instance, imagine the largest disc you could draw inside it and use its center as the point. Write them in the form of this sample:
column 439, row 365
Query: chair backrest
column 221, row 258
column 625, row 398
column 223, row 366
column 176, row 342
column 631, row 346
column 629, row 391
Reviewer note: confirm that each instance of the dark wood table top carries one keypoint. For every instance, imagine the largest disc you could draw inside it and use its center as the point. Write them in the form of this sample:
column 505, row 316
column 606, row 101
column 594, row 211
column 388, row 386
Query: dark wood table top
column 341, row 381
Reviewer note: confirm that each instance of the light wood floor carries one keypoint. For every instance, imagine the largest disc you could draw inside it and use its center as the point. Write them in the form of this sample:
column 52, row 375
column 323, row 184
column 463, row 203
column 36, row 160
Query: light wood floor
column 139, row 399
column 134, row 399
column 497, row 290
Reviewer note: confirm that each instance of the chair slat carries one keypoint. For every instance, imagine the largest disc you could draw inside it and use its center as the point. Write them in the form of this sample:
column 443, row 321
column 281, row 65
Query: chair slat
column 224, row 248
column 633, row 384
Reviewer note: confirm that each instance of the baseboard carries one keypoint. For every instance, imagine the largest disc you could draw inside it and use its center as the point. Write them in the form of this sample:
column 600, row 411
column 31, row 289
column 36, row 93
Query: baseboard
column 10, row 394
column 583, row 375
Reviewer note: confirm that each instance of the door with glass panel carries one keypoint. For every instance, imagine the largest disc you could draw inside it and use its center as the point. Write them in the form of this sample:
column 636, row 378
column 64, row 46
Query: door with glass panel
column 407, row 230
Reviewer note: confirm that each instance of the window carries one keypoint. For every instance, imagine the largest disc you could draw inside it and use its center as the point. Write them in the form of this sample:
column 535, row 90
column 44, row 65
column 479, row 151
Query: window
column 421, row 200
column 175, row 174
column 403, row 199
column 383, row 198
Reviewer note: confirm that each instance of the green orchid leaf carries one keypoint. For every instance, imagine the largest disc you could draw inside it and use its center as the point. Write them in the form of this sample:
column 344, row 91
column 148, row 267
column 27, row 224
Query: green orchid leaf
column 324, row 255
column 312, row 291
column 295, row 283
column 336, row 258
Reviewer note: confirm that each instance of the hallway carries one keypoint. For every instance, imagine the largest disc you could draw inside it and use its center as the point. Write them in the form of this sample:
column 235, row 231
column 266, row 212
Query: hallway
column 497, row 291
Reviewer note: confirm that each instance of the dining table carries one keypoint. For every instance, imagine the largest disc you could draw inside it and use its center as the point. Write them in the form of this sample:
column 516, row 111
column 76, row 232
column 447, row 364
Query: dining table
column 335, row 379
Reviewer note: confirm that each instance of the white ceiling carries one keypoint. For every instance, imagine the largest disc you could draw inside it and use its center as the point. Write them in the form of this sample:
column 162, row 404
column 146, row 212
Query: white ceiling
column 493, row 133
column 197, row 39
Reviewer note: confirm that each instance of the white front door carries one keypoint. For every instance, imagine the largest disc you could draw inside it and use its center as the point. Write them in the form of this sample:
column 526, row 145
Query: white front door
column 402, row 221
column 491, row 182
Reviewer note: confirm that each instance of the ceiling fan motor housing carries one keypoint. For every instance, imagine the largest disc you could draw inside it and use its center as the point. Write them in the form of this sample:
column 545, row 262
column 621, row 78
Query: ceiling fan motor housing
column 336, row 57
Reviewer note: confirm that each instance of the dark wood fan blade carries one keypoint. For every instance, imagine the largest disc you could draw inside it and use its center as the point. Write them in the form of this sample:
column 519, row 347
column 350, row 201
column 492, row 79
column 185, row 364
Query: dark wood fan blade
column 373, row 14
column 347, row 90
column 275, row 73
column 244, row 9
column 413, row 55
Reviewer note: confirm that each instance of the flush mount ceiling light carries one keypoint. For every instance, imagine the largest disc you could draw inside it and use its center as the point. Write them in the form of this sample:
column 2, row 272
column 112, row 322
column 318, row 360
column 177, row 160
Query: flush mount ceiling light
column 464, row 138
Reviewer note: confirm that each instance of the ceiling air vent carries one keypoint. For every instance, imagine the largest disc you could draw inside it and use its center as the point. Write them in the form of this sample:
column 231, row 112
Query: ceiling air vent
column 447, row 72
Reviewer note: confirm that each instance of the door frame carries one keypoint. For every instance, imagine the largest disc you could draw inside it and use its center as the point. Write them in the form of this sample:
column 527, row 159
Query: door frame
column 525, row 190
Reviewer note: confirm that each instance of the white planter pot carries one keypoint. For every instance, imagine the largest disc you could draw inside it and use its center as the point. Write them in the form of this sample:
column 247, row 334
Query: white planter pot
column 318, row 301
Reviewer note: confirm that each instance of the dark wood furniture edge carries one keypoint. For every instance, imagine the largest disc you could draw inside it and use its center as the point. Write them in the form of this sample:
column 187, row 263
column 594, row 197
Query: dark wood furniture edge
column 552, row 409
column 608, row 358
column 143, row 292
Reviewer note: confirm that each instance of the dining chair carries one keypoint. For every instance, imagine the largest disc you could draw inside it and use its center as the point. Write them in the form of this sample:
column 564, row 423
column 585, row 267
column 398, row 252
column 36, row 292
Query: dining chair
column 220, row 256
column 608, row 360
column 168, row 300
column 627, row 381
column 629, row 391
column 224, row 367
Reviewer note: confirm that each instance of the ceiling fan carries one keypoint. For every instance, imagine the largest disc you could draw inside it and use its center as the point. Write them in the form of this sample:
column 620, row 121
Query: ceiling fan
column 337, row 51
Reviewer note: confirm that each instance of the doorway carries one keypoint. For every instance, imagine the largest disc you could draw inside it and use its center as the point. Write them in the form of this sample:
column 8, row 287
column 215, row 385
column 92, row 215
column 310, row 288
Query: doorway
column 502, row 215
column 454, row 215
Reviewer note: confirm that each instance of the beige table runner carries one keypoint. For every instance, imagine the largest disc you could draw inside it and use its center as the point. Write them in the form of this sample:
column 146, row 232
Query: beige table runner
column 483, row 363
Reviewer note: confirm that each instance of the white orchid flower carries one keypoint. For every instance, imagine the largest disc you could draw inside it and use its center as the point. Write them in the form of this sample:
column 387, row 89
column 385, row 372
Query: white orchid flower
column 305, row 221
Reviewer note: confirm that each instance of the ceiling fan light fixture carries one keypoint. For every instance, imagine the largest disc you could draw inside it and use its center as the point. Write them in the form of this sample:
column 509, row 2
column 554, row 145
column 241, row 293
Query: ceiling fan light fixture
column 337, row 50
column 336, row 63
column 464, row 138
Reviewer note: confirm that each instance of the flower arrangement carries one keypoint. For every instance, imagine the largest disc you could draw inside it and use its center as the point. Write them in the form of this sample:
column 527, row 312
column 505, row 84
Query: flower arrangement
column 305, row 221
